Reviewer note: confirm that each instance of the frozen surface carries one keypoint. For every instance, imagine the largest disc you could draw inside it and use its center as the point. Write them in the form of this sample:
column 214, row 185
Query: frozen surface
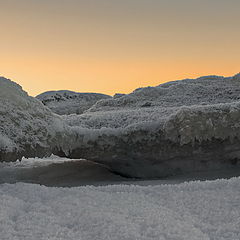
column 205, row 90
column 196, row 210
column 176, row 127
column 68, row 102
column 27, row 127
column 63, row 172
column 154, row 104
column 56, row 171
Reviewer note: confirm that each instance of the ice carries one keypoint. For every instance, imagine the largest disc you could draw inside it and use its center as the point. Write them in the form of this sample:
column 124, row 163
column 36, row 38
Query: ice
column 174, row 128
column 27, row 127
column 194, row 210
column 56, row 171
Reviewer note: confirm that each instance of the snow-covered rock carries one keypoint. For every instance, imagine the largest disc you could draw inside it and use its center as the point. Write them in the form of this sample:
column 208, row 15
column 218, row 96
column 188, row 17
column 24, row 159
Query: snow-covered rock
column 176, row 127
column 27, row 127
column 68, row 102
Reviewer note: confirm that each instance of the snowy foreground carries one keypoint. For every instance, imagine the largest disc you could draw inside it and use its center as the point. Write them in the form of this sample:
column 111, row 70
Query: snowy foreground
column 129, row 210
column 191, row 211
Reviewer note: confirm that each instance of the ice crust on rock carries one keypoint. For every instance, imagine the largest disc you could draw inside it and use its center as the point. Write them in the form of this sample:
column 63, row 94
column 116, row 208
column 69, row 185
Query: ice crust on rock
column 176, row 127
column 27, row 127
column 69, row 102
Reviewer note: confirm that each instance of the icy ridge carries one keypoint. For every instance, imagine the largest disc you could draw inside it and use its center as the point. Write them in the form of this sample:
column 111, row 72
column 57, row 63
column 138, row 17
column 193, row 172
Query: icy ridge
column 200, row 91
column 69, row 102
column 151, row 134
column 202, row 115
column 25, row 124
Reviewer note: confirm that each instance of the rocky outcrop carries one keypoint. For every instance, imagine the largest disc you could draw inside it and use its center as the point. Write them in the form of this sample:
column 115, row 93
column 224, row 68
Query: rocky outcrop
column 67, row 102
column 27, row 127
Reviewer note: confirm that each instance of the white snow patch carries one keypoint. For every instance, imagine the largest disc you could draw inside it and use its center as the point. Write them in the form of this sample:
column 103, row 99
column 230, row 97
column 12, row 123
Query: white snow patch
column 194, row 210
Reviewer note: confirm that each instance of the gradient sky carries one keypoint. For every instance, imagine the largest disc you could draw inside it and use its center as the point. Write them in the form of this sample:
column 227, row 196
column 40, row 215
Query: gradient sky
column 113, row 46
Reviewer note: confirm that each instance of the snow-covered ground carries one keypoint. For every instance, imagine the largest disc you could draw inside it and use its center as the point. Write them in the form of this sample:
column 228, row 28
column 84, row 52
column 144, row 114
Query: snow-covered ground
column 116, row 207
column 207, row 210
column 194, row 123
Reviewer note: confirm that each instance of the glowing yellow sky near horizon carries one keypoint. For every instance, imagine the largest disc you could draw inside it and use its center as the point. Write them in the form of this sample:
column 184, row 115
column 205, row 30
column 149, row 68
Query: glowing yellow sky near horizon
column 111, row 46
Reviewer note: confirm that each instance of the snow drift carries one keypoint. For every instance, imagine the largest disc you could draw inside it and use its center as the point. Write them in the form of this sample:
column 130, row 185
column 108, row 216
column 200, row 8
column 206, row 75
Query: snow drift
column 174, row 128
column 194, row 211
column 68, row 102
column 27, row 128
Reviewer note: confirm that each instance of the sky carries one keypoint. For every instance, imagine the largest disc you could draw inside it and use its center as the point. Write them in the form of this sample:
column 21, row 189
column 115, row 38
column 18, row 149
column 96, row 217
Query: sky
column 116, row 46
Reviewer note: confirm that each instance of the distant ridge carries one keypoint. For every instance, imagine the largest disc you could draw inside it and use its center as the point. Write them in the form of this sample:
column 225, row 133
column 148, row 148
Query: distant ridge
column 64, row 102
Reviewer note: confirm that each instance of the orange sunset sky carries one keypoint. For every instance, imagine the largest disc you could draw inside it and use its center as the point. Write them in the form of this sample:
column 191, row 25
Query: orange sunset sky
column 111, row 46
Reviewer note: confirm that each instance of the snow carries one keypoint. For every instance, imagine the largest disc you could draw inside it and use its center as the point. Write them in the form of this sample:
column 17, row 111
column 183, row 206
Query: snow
column 153, row 103
column 176, row 127
column 26, row 126
column 207, row 210
column 200, row 91
column 69, row 102
column 152, row 132
column 191, row 125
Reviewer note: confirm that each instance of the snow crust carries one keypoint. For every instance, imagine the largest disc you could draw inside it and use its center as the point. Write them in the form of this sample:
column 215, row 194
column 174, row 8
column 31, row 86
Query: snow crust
column 69, row 102
column 194, row 210
column 185, row 111
column 143, row 134
column 206, row 90
column 155, row 103
column 25, row 124
column 156, row 131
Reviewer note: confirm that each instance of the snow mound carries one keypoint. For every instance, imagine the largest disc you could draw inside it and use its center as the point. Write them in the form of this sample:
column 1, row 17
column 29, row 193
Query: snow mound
column 27, row 128
column 153, row 103
column 68, row 102
column 201, row 91
column 176, row 127
column 194, row 210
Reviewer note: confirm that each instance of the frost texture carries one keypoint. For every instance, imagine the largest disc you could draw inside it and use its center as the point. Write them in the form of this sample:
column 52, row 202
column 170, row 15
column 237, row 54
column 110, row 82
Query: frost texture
column 176, row 127
column 194, row 210
column 26, row 126
column 156, row 131
column 154, row 103
column 68, row 102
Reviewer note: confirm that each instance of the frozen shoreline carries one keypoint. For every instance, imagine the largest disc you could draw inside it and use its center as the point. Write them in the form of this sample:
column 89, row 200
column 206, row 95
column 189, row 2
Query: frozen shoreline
column 62, row 172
